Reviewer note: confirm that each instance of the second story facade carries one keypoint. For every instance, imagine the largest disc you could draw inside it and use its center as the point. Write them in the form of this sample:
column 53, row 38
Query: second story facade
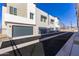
column 46, row 22
column 44, row 19
column 41, row 18
column 51, row 23
column 19, row 13
column 57, row 23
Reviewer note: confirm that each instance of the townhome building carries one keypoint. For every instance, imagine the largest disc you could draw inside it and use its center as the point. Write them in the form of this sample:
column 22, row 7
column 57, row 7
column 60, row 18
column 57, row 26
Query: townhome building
column 41, row 21
column 46, row 23
column 57, row 24
column 18, row 19
column 53, row 23
column 24, row 19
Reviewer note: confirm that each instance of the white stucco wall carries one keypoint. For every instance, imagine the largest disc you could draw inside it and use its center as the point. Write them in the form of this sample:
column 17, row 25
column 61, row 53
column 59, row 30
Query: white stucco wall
column 38, row 18
column 46, row 24
column 18, row 19
column 57, row 22
column 3, row 20
column 31, row 8
column 50, row 24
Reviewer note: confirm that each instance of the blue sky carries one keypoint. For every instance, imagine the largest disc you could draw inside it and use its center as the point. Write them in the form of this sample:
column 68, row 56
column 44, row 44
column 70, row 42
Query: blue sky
column 64, row 11
column 0, row 14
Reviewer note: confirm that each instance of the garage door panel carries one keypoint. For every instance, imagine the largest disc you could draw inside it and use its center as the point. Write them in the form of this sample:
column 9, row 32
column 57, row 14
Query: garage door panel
column 42, row 30
column 22, row 30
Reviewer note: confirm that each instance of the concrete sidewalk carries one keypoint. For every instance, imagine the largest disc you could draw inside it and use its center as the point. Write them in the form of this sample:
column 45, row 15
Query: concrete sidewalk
column 3, row 37
column 75, row 47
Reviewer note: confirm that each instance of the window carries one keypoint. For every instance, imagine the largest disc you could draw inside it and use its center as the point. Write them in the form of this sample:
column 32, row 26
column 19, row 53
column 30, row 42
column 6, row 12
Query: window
column 43, row 18
column 13, row 11
column 5, row 4
column 31, row 16
column 52, row 21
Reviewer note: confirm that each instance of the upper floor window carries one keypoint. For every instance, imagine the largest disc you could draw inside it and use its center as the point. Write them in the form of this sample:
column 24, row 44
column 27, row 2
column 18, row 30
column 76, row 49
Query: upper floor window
column 5, row 4
column 13, row 10
column 43, row 18
column 52, row 21
column 31, row 16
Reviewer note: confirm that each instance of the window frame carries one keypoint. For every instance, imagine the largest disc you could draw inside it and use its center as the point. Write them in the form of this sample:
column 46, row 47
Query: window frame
column 31, row 15
column 52, row 21
column 13, row 10
column 43, row 18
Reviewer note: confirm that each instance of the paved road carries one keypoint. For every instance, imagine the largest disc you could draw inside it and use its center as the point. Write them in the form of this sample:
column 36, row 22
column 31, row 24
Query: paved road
column 52, row 46
column 47, row 47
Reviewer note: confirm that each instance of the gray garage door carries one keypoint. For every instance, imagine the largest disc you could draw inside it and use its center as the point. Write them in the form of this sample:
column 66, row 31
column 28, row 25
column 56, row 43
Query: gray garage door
column 22, row 31
column 42, row 30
